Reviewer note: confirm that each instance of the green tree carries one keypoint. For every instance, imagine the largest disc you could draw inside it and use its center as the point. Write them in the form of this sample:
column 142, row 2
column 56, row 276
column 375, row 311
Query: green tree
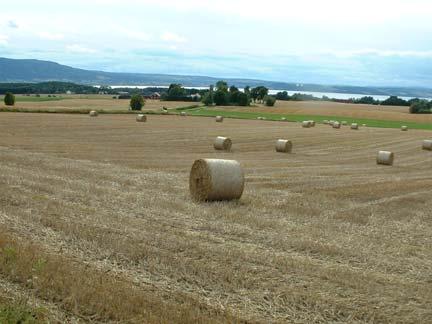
column 208, row 99
column 262, row 92
column 137, row 102
column 269, row 101
column 176, row 92
column 9, row 99
column 243, row 99
column 420, row 106
column 222, row 86
column 220, row 98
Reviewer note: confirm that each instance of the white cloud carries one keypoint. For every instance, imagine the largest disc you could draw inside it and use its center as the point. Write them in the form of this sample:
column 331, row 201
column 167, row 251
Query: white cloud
column 12, row 24
column 171, row 37
column 4, row 40
column 50, row 36
column 76, row 48
column 378, row 52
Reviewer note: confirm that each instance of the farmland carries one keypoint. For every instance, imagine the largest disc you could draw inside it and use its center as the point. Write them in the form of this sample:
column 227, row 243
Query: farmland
column 97, row 223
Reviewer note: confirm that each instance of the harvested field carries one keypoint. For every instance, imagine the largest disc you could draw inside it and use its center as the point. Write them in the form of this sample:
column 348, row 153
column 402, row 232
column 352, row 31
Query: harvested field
column 327, row 108
column 97, row 223
column 96, row 102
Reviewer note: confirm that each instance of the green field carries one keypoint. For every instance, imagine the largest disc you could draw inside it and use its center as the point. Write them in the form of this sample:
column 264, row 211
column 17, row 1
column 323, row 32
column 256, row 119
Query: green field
column 297, row 118
column 34, row 98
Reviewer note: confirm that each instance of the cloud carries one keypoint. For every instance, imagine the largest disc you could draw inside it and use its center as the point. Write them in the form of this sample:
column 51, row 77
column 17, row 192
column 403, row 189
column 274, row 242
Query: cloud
column 13, row 24
column 76, row 48
column 171, row 37
column 50, row 36
column 4, row 40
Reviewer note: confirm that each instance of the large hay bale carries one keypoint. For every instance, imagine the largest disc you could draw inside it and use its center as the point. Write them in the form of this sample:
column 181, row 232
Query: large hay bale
column 222, row 143
column 306, row 124
column 141, row 118
column 404, row 128
column 284, row 146
column 219, row 119
column 354, row 126
column 427, row 145
column 213, row 179
column 385, row 158
column 183, row 113
column 336, row 124
column 93, row 113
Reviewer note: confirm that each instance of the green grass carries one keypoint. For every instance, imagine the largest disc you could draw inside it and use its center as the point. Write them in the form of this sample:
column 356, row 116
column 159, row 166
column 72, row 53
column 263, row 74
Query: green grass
column 297, row 118
column 12, row 313
column 34, row 98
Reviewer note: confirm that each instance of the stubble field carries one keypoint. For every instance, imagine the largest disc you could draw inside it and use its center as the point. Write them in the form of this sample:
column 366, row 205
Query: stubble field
column 97, row 223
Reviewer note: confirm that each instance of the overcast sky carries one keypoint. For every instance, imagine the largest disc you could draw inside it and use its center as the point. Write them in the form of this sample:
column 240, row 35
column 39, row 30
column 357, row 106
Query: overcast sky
column 355, row 42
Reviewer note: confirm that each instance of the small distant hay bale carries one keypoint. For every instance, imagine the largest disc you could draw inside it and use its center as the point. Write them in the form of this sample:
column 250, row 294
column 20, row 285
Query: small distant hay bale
column 93, row 113
column 336, row 125
column 222, row 143
column 141, row 118
column 183, row 113
column 283, row 146
column 385, row 158
column 283, row 119
column 354, row 126
column 344, row 123
column 263, row 118
column 312, row 123
column 325, row 122
column 306, row 124
column 427, row 145
column 259, row 118
column 215, row 180
column 364, row 125
column 404, row 128
column 219, row 119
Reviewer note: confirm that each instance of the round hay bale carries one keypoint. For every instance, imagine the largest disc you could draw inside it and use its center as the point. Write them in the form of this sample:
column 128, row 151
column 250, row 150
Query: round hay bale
column 259, row 118
column 404, row 128
column 364, row 125
column 222, row 143
column 354, row 126
column 141, row 118
column 344, row 123
column 312, row 123
column 183, row 113
column 306, row 124
column 213, row 179
column 385, row 158
column 263, row 118
column 325, row 122
column 283, row 119
column 93, row 113
column 427, row 145
column 283, row 146
column 336, row 125
column 219, row 119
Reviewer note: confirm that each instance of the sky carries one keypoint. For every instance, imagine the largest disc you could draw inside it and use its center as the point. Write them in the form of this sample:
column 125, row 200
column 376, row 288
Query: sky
column 368, row 42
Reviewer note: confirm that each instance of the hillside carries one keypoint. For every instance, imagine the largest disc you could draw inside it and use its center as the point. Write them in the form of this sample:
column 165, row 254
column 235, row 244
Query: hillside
column 13, row 70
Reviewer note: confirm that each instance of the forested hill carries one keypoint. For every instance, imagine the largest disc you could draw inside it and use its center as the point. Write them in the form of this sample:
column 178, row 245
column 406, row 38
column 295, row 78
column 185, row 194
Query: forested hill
column 13, row 70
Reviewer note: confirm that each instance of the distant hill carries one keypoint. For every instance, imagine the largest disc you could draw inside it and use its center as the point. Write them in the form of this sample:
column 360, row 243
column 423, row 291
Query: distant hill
column 13, row 70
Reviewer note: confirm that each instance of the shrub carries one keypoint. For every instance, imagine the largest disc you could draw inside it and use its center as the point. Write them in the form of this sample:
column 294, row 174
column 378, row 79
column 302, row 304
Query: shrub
column 269, row 101
column 9, row 99
column 420, row 107
column 208, row 99
column 137, row 102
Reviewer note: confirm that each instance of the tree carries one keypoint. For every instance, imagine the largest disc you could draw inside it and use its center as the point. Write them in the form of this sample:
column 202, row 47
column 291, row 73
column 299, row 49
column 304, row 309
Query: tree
column 269, row 101
column 137, row 102
column 247, row 90
column 233, row 94
column 176, row 92
column 208, row 99
column 420, row 106
column 243, row 99
column 282, row 95
column 262, row 92
column 9, row 99
column 220, row 98
column 395, row 101
column 222, row 86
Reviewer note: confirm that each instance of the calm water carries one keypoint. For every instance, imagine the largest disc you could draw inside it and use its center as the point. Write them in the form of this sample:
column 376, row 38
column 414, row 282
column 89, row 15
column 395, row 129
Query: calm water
column 315, row 94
